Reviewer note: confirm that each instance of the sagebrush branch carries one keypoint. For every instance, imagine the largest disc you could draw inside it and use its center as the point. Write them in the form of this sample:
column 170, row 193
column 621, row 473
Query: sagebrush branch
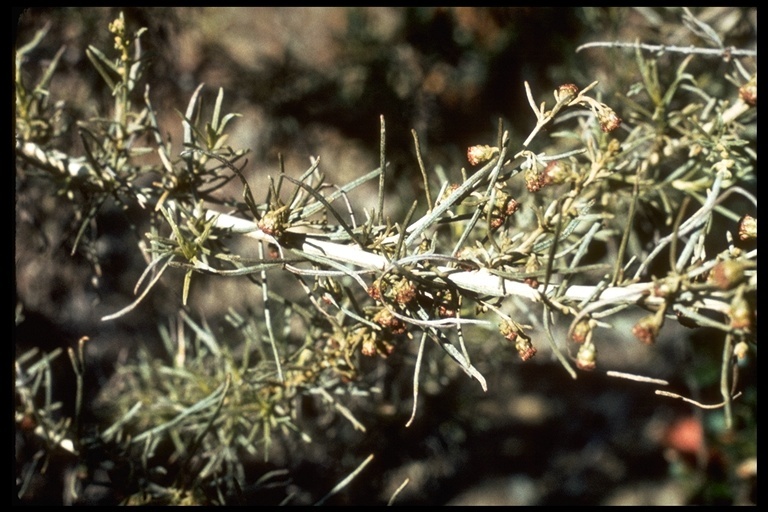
column 480, row 282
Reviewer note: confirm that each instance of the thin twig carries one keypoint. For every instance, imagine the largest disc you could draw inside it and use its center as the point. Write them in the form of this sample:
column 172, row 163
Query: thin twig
column 382, row 166
column 416, row 372
column 694, row 402
column 135, row 303
column 424, row 175
column 397, row 491
column 268, row 317
column 725, row 388
column 719, row 52
column 346, row 481
column 343, row 410
column 638, row 378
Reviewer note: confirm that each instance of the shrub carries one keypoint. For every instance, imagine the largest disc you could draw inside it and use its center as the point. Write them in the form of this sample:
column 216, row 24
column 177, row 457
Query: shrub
column 543, row 245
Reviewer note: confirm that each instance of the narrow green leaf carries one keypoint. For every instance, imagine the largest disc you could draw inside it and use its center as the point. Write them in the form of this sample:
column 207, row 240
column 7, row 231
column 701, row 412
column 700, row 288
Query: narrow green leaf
column 217, row 110
column 45, row 80
column 102, row 65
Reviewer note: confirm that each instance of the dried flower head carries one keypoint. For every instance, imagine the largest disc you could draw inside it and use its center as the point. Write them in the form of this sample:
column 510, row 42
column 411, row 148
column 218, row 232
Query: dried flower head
column 369, row 346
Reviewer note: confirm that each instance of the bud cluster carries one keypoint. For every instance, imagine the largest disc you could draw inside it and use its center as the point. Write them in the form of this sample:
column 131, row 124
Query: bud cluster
column 513, row 331
column 504, row 205
column 555, row 173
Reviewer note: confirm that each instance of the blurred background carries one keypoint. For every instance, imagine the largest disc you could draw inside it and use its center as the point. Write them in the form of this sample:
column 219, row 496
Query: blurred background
column 314, row 82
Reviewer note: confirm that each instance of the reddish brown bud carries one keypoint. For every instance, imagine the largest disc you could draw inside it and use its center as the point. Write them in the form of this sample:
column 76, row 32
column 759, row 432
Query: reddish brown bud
column 509, row 329
column 532, row 282
column 646, row 329
column 525, row 348
column 374, row 291
column 512, row 206
column 446, row 311
column 405, row 291
column 386, row 319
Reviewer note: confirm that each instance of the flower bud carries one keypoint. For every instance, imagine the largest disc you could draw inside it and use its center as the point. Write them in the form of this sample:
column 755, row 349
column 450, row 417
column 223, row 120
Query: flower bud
column 747, row 228
column 374, row 291
column 509, row 329
column 369, row 346
column 525, row 348
column 273, row 222
column 741, row 350
column 581, row 331
column 386, row 319
column 608, row 119
column 586, row 357
column 566, row 93
column 512, row 206
column 405, row 291
column 741, row 313
column 748, row 92
column 532, row 265
column 554, row 174
column 478, row 154
column 647, row 329
column 727, row 274
column 532, row 180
